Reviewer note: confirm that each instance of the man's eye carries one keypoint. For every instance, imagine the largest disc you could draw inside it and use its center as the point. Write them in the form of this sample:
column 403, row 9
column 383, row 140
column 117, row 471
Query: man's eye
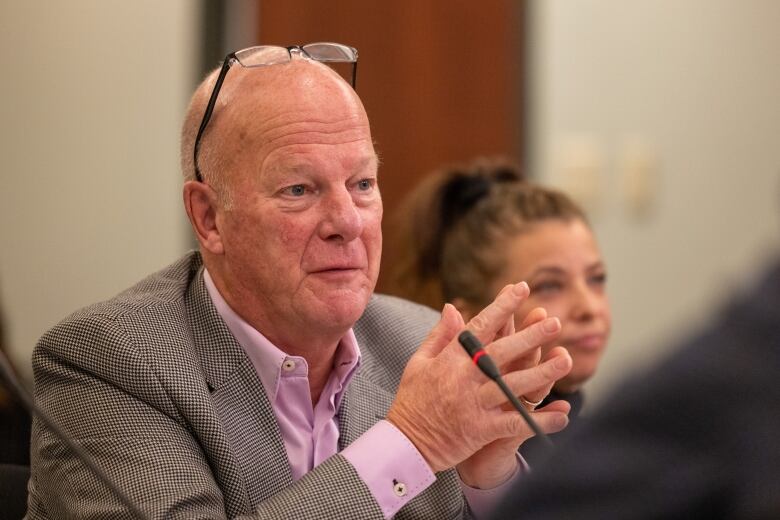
column 365, row 184
column 296, row 190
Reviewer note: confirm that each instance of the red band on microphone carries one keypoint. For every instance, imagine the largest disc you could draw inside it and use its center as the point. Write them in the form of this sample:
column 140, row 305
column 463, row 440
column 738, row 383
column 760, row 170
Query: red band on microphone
column 477, row 356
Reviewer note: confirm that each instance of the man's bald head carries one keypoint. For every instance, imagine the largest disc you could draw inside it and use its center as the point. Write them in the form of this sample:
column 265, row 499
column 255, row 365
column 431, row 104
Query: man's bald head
column 289, row 216
column 248, row 100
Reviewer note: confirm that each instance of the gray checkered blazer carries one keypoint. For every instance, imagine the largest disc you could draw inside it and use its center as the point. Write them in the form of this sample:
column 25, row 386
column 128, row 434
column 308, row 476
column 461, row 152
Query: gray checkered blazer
column 159, row 392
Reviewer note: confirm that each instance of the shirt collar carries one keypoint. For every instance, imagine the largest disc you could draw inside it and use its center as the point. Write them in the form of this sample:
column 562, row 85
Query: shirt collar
column 268, row 359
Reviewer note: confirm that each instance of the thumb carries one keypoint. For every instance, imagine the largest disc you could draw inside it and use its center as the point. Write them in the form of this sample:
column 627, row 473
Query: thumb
column 443, row 333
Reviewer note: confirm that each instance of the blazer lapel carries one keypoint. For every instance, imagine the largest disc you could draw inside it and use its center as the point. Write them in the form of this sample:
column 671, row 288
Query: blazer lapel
column 245, row 414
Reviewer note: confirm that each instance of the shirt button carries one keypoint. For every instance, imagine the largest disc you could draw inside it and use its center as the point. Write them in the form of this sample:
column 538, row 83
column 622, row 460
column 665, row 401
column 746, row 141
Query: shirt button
column 399, row 488
column 288, row 365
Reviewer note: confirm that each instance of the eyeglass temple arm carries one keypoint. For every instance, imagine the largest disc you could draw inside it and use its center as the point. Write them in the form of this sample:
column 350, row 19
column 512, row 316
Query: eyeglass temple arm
column 209, row 109
column 213, row 101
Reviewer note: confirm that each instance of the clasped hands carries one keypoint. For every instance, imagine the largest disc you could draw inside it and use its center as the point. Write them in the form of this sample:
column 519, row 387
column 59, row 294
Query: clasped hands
column 456, row 416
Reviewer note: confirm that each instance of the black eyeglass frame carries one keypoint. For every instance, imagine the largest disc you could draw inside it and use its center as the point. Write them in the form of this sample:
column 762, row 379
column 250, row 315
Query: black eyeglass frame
column 230, row 59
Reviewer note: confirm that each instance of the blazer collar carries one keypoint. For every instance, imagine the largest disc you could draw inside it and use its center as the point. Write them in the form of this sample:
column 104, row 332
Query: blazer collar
column 245, row 414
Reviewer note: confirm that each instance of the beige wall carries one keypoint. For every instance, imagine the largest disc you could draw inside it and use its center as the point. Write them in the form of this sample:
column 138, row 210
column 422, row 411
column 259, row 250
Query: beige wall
column 91, row 100
column 676, row 102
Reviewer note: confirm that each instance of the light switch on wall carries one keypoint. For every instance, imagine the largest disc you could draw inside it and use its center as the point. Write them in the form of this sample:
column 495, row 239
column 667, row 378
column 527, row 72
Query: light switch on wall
column 579, row 170
column 639, row 171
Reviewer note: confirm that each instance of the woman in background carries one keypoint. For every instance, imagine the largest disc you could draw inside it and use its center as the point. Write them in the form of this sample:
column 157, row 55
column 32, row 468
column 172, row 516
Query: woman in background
column 464, row 233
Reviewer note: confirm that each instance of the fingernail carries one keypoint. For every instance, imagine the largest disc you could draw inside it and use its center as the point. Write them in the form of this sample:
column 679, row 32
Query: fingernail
column 521, row 289
column 561, row 363
column 561, row 421
column 449, row 310
column 551, row 325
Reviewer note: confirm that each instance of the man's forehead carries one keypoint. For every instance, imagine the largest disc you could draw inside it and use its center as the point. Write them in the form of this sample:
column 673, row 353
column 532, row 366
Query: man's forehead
column 259, row 102
column 295, row 163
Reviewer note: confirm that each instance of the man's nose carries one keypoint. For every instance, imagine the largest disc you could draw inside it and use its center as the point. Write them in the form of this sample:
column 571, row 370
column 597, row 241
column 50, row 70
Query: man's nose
column 341, row 219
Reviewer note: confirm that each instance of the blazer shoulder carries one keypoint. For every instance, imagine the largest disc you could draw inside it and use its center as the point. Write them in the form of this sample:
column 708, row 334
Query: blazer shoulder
column 392, row 318
column 129, row 341
column 388, row 333
column 167, row 286
column 383, row 307
column 157, row 298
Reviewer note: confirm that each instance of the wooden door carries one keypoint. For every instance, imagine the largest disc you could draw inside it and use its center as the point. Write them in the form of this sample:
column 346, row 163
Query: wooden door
column 440, row 79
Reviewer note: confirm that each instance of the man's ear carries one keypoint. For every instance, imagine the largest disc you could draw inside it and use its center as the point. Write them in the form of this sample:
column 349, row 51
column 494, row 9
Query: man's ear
column 201, row 203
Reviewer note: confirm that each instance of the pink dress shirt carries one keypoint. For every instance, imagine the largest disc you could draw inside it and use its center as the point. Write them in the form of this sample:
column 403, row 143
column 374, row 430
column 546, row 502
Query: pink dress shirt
column 394, row 474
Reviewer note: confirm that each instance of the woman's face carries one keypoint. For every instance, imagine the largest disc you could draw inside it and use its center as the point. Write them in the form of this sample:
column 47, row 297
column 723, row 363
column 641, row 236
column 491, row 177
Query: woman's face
column 563, row 267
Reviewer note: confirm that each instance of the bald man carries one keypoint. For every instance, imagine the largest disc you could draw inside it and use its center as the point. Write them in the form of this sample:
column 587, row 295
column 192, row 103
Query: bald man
column 260, row 377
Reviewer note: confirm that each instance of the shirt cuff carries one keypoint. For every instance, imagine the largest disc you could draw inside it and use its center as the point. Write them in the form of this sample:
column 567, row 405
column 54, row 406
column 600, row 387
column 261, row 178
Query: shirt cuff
column 483, row 502
column 390, row 466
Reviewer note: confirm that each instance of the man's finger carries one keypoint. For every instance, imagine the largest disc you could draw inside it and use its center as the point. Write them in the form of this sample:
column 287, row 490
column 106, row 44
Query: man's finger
column 543, row 392
column 526, row 381
column 536, row 314
column 538, row 395
column 508, row 329
column 506, row 350
column 443, row 333
column 512, row 424
column 556, row 406
column 494, row 317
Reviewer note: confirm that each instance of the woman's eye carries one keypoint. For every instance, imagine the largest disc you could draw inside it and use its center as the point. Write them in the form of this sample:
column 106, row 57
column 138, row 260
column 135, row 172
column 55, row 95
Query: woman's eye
column 598, row 279
column 546, row 288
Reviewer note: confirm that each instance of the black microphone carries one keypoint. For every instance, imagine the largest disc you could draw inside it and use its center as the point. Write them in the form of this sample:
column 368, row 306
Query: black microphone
column 477, row 353
column 27, row 401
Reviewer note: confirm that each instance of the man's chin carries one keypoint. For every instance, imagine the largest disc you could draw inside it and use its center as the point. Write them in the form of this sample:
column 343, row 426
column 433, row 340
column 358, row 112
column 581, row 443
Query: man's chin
column 341, row 308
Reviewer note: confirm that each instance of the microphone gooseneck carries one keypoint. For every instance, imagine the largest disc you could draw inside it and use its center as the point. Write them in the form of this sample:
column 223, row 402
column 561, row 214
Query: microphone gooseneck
column 27, row 401
column 477, row 353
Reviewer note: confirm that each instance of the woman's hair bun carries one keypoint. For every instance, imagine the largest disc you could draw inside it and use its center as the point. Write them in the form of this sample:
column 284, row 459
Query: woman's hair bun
column 467, row 186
